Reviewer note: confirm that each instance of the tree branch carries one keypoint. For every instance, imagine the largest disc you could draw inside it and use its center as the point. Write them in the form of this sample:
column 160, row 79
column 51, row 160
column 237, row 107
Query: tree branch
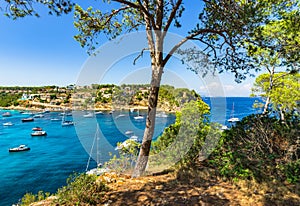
column 159, row 14
column 140, row 55
column 115, row 12
column 172, row 15
column 138, row 6
column 191, row 36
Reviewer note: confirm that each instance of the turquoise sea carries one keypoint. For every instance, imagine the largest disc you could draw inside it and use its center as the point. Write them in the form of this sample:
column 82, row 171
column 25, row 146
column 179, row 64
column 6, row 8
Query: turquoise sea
column 66, row 149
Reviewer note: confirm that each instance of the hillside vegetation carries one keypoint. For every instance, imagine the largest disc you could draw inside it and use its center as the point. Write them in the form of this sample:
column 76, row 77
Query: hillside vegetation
column 95, row 96
column 255, row 162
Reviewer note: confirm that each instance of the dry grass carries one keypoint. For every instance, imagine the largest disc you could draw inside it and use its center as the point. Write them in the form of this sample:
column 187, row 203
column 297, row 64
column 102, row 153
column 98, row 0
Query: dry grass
column 196, row 186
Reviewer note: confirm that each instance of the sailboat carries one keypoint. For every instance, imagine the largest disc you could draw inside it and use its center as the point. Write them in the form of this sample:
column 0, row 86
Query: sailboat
column 65, row 122
column 138, row 117
column 98, row 170
column 233, row 119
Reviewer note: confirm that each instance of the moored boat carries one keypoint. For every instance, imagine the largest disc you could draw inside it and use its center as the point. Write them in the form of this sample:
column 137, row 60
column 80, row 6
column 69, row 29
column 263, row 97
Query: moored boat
column 27, row 113
column 128, row 132
column 99, row 112
column 6, row 114
column 37, row 129
column 233, row 119
column 21, row 148
column 8, row 124
column 139, row 117
column 39, row 133
column 28, row 119
column 88, row 115
column 162, row 114
column 38, row 116
column 97, row 171
column 134, row 138
column 67, row 123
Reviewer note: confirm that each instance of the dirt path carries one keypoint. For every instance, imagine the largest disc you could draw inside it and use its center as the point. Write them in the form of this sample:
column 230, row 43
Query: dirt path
column 170, row 190
column 185, row 188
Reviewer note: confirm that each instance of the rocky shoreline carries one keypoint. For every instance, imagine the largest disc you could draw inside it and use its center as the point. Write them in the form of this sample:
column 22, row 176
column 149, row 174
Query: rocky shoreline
column 39, row 107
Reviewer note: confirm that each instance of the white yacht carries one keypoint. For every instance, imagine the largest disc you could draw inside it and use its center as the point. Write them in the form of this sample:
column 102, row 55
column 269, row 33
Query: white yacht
column 8, row 124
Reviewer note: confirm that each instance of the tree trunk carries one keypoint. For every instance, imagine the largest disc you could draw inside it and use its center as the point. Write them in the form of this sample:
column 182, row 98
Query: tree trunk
column 266, row 106
column 150, row 124
column 282, row 117
column 271, row 82
column 155, row 44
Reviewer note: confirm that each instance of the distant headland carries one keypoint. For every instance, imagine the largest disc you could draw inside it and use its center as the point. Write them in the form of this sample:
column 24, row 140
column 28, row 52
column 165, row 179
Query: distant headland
column 92, row 97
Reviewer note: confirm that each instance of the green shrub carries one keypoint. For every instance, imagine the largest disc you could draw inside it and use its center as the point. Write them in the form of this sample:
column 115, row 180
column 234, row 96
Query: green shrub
column 182, row 141
column 261, row 148
column 29, row 198
column 126, row 160
column 81, row 189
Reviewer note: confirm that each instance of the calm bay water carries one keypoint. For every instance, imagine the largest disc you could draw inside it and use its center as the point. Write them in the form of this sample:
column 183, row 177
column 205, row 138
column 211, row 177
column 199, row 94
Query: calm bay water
column 66, row 149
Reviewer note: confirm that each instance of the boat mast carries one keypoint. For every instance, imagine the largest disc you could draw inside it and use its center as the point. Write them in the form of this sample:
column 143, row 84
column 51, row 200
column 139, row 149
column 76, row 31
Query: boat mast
column 97, row 136
column 90, row 155
column 232, row 111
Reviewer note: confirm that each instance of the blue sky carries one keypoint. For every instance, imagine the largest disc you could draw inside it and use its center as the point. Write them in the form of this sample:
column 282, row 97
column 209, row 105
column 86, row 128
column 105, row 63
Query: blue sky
column 42, row 51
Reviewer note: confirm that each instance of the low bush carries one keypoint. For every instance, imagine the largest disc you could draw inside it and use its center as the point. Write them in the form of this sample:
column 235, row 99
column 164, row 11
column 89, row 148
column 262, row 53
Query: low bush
column 29, row 198
column 81, row 189
column 261, row 148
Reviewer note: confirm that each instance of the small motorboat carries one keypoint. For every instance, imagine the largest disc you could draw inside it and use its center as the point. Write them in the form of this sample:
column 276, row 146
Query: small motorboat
column 38, row 116
column 233, row 119
column 27, row 113
column 134, row 138
column 55, row 119
column 30, row 119
column 37, row 129
column 139, row 117
column 39, row 133
column 67, row 123
column 162, row 115
column 97, row 171
column 88, row 115
column 224, row 127
column 21, row 148
column 120, row 115
column 6, row 114
column 65, row 114
column 8, row 124
column 128, row 132
column 99, row 112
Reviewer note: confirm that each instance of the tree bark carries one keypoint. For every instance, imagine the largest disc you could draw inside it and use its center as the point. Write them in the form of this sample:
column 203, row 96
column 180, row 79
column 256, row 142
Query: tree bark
column 271, row 82
column 282, row 117
column 266, row 105
column 150, row 124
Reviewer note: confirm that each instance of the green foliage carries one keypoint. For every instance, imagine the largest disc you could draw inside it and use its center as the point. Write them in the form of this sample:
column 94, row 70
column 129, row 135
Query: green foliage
column 276, row 41
column 282, row 89
column 260, row 148
column 292, row 171
column 81, row 189
column 241, row 27
column 29, row 198
column 17, row 9
column 184, row 139
column 169, row 97
column 8, row 99
column 126, row 160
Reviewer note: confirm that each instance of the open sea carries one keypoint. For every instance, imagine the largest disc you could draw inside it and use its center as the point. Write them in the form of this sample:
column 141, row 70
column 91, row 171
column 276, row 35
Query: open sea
column 65, row 150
